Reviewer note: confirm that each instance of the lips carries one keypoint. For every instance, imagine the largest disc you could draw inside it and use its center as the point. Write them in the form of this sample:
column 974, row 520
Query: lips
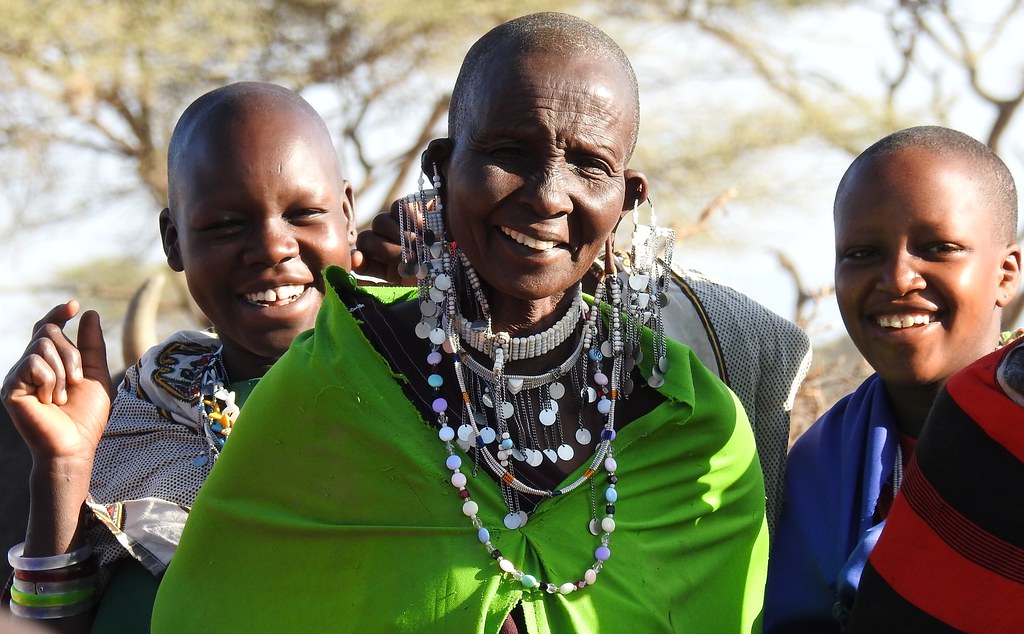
column 905, row 320
column 527, row 241
column 276, row 296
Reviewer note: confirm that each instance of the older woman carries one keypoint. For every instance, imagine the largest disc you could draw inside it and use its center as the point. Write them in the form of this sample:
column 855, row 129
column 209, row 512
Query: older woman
column 455, row 463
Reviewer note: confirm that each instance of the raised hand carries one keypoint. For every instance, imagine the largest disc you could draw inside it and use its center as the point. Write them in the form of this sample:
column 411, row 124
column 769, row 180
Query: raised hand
column 381, row 246
column 58, row 394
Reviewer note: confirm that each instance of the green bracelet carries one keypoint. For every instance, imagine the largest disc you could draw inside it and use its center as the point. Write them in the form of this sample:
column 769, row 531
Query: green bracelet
column 54, row 587
column 49, row 600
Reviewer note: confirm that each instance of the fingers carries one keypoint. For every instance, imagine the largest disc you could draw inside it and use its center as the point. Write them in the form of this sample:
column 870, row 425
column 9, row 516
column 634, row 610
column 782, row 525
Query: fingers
column 59, row 315
column 381, row 248
column 93, row 349
column 50, row 361
column 39, row 373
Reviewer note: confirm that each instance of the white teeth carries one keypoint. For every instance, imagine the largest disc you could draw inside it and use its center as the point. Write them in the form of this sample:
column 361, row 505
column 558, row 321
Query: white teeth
column 904, row 321
column 279, row 295
column 525, row 240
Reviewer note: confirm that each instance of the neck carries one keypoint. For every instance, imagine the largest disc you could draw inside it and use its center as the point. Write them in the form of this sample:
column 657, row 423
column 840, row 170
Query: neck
column 242, row 365
column 521, row 318
column 530, row 345
column 911, row 405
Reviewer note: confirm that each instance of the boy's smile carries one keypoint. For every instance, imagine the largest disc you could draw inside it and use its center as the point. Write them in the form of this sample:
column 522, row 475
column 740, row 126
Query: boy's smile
column 279, row 296
column 905, row 321
column 259, row 210
column 920, row 266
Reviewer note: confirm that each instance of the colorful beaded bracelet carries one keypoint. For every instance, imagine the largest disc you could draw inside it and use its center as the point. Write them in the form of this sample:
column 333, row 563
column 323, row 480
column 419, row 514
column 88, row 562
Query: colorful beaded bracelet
column 27, row 599
column 15, row 556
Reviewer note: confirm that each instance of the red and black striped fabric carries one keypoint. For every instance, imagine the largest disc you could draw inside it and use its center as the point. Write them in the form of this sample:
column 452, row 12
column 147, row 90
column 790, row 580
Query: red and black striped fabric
column 951, row 556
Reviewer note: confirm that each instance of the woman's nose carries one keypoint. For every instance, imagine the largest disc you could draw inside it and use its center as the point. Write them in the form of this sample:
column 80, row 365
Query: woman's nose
column 548, row 193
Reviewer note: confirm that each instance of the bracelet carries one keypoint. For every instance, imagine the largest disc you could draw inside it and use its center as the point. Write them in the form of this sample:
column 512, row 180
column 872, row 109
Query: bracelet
column 77, row 571
column 53, row 612
column 58, row 587
column 15, row 556
column 50, row 600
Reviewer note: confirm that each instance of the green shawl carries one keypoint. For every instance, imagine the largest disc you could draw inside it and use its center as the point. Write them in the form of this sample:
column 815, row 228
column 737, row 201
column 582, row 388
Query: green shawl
column 332, row 511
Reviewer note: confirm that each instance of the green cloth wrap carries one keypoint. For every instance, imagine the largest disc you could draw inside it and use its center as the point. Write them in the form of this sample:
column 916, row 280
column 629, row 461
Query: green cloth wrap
column 332, row 511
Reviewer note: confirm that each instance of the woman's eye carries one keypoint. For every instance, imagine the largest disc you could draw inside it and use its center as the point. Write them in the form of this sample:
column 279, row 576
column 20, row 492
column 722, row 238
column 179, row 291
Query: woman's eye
column 591, row 164
column 505, row 153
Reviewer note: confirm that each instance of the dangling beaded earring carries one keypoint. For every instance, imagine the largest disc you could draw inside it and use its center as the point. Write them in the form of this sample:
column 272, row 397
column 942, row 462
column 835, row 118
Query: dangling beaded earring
column 648, row 286
column 426, row 256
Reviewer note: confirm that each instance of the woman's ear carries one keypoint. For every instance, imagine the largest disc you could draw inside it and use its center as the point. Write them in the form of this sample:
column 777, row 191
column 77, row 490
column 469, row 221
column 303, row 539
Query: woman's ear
column 437, row 154
column 636, row 190
column 169, row 238
column 1009, row 283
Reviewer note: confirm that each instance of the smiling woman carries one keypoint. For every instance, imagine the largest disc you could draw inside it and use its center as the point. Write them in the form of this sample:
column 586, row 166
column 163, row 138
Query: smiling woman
column 455, row 463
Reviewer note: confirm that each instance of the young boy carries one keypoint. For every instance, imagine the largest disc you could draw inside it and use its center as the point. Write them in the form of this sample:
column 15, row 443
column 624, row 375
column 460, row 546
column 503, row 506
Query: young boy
column 256, row 209
column 925, row 223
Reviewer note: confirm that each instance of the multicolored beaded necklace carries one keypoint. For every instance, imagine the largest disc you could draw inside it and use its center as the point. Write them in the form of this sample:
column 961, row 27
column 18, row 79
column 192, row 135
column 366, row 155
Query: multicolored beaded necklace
column 217, row 402
column 430, row 258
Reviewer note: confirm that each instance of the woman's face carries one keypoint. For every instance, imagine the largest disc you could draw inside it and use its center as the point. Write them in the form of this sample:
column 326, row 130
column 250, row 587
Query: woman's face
column 537, row 179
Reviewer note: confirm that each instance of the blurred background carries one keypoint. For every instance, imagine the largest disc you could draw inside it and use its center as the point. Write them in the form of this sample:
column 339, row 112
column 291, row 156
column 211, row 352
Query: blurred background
column 751, row 112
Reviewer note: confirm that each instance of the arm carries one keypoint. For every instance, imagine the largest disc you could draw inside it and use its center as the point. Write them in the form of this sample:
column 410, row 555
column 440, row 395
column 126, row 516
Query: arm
column 58, row 398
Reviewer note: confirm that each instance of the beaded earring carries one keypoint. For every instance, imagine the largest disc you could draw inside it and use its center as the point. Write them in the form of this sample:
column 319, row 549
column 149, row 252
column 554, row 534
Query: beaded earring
column 648, row 285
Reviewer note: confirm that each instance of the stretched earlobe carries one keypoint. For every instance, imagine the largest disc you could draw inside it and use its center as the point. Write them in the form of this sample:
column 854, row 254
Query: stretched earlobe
column 169, row 239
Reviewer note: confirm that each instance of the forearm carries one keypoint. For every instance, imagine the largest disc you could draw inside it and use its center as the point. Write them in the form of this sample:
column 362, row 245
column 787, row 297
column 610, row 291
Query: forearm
column 58, row 490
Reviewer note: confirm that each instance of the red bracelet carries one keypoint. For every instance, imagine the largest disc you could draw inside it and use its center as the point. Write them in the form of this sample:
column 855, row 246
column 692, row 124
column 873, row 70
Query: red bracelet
column 77, row 571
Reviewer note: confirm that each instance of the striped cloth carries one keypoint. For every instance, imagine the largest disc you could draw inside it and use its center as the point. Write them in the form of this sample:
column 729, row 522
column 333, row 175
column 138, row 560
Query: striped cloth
column 951, row 557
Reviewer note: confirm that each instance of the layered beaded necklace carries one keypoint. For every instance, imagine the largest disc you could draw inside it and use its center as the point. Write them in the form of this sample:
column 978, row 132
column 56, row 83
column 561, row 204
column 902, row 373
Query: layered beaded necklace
column 497, row 408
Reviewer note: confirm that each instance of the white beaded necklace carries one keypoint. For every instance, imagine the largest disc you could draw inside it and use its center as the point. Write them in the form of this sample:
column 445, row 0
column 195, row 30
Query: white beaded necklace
column 479, row 336
column 438, row 324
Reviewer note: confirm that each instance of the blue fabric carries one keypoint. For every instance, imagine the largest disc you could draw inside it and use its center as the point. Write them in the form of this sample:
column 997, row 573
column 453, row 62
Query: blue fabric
column 835, row 473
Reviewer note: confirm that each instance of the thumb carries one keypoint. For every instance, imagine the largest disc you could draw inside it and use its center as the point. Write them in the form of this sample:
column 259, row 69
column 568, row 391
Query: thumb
column 93, row 349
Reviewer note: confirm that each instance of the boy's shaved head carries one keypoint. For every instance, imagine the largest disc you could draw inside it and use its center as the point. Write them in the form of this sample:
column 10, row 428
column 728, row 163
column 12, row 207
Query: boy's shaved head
column 994, row 180
column 510, row 42
column 257, row 208
column 218, row 109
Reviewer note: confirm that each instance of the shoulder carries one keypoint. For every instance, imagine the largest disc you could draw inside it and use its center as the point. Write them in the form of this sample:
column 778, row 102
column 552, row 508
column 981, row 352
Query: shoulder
column 833, row 430
column 170, row 370
column 732, row 312
column 182, row 345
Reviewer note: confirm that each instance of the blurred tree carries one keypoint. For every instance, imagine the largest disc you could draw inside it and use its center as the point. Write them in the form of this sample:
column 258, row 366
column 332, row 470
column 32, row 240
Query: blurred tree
column 94, row 87
column 111, row 78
